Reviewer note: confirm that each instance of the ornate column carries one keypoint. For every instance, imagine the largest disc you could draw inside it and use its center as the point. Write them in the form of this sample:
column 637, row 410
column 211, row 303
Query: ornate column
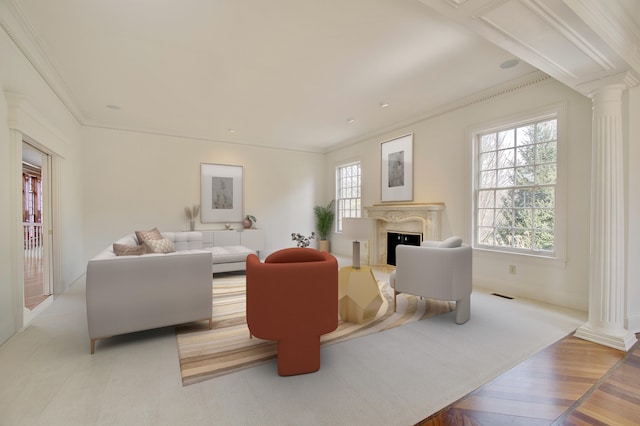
column 607, row 258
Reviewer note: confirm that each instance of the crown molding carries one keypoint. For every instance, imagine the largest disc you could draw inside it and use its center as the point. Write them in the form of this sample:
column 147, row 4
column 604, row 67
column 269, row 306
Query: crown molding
column 199, row 138
column 614, row 24
column 24, row 117
column 532, row 79
column 584, row 40
column 627, row 80
column 23, row 36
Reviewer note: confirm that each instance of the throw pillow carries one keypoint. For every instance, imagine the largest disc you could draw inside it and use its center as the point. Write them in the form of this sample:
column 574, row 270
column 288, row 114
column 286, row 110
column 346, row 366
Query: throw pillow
column 144, row 236
column 125, row 250
column 163, row 245
column 451, row 242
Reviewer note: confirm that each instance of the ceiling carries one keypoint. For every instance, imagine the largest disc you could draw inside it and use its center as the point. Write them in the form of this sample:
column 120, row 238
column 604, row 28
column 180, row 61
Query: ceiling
column 301, row 74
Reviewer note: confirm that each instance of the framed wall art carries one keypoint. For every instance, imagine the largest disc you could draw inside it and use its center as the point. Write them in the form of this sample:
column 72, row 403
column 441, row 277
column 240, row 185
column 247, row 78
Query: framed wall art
column 396, row 167
column 220, row 193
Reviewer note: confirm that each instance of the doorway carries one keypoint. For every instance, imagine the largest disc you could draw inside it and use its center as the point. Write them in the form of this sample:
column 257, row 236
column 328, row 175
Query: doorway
column 36, row 226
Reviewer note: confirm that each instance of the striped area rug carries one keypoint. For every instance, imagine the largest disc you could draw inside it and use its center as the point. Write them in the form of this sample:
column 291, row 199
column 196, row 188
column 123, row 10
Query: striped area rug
column 226, row 348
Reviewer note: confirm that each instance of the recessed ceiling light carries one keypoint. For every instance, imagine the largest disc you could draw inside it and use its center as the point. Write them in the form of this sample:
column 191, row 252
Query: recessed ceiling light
column 116, row 107
column 351, row 120
column 384, row 104
column 509, row 63
column 231, row 130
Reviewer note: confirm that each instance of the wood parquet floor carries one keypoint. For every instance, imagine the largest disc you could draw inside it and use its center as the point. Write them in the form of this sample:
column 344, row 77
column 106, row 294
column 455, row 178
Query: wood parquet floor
column 33, row 282
column 573, row 382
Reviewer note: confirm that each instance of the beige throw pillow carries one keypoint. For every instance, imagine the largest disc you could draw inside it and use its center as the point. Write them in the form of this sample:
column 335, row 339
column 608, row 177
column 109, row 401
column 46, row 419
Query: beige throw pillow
column 163, row 245
column 144, row 236
column 125, row 250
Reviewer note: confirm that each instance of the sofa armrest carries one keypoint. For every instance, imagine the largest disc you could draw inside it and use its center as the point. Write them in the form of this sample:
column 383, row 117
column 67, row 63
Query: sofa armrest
column 442, row 273
column 133, row 293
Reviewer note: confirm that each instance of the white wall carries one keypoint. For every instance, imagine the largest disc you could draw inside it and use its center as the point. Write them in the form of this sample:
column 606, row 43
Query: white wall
column 7, row 321
column 135, row 181
column 28, row 105
column 442, row 173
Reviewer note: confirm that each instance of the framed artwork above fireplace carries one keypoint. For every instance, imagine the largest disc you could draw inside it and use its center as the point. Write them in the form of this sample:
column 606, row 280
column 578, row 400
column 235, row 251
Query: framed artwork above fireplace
column 396, row 169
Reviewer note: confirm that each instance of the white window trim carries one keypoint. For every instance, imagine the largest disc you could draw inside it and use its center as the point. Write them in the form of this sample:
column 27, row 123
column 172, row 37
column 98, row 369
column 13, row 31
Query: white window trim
column 558, row 110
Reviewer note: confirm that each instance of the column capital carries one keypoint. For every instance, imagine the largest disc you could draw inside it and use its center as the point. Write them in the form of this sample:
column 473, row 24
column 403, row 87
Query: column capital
column 626, row 80
column 610, row 95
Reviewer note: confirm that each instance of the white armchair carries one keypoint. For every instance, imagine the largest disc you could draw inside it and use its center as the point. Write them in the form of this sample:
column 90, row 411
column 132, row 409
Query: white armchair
column 437, row 270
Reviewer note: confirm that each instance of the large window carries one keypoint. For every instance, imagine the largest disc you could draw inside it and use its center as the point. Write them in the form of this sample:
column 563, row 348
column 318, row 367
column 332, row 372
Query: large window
column 516, row 187
column 348, row 183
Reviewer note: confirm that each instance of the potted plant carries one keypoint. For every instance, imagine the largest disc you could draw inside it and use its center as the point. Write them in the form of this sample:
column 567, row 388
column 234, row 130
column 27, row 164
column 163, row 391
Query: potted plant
column 324, row 220
column 249, row 221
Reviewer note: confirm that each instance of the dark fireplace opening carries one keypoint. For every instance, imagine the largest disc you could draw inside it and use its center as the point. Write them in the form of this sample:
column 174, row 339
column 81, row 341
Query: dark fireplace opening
column 396, row 238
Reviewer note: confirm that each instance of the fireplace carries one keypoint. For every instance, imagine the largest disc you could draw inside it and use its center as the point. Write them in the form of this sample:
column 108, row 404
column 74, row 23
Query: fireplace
column 402, row 218
column 397, row 238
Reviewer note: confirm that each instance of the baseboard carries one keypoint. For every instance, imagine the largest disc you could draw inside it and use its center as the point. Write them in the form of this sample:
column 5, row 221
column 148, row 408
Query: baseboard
column 633, row 322
column 620, row 342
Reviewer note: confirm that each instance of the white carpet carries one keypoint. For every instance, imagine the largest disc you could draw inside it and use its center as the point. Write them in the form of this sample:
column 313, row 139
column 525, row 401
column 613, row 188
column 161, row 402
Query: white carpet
column 395, row 377
column 400, row 376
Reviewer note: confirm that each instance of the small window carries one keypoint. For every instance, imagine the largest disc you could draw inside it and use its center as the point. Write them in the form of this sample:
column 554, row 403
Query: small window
column 348, row 184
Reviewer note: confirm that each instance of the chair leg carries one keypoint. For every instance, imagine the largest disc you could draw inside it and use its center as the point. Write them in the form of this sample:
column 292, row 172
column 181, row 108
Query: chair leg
column 395, row 300
column 298, row 356
column 463, row 310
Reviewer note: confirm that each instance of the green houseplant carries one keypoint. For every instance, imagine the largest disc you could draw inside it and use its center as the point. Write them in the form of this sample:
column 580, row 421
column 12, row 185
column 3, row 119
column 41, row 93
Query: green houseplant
column 324, row 220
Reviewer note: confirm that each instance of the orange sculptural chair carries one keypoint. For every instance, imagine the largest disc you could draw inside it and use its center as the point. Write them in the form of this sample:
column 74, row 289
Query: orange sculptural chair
column 293, row 298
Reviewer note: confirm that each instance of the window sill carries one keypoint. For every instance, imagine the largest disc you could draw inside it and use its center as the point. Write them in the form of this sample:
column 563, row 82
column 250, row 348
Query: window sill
column 512, row 257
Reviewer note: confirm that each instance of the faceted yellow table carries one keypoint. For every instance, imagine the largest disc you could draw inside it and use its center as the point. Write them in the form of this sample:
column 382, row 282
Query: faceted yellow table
column 359, row 297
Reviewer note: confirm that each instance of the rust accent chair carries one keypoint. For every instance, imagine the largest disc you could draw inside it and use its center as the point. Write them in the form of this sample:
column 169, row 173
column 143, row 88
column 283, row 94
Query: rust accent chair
column 293, row 298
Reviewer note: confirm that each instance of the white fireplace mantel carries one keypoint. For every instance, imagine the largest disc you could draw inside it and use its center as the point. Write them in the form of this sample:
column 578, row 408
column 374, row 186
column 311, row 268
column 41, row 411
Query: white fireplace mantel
column 423, row 218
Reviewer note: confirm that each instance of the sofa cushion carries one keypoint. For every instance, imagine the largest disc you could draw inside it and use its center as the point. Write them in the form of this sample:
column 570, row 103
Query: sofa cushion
column 185, row 240
column 229, row 254
column 144, row 236
column 127, row 250
column 451, row 242
column 163, row 245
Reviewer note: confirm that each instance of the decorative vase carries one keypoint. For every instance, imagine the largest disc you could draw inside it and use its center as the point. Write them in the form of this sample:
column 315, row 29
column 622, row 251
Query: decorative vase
column 192, row 225
column 323, row 245
column 247, row 223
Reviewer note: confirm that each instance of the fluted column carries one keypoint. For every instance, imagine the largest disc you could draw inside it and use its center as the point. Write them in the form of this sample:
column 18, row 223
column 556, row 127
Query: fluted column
column 607, row 256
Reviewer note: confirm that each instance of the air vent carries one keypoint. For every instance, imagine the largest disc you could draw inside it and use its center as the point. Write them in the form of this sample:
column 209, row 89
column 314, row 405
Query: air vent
column 502, row 295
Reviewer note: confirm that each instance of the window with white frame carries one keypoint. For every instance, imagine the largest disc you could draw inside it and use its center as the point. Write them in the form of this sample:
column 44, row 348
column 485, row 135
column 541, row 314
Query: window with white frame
column 348, row 190
column 516, row 187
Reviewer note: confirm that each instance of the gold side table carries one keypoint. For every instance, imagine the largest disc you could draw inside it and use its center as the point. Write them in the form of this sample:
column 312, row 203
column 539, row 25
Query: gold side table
column 359, row 297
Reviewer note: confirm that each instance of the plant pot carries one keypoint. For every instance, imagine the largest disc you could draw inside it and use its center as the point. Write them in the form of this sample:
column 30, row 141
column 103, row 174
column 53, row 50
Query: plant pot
column 192, row 225
column 247, row 223
column 323, row 245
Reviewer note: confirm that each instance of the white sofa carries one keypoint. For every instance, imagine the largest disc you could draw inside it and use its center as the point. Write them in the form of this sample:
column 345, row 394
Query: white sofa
column 133, row 293
column 227, row 254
